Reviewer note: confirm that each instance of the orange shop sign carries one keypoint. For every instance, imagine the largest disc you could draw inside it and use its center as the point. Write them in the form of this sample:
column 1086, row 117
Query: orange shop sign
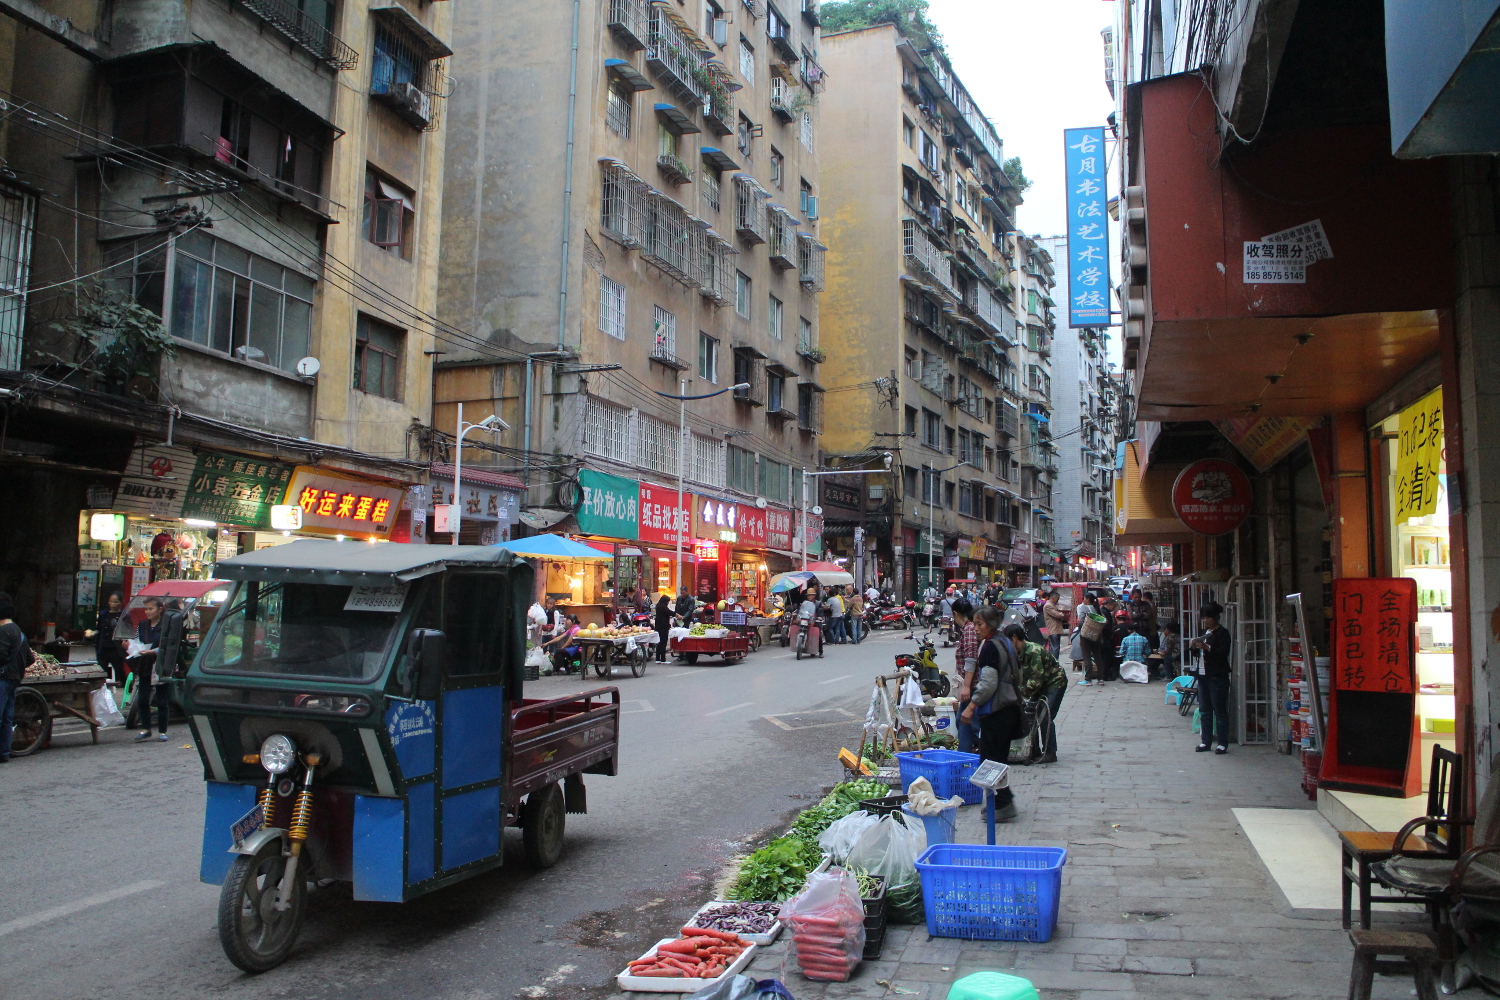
column 333, row 503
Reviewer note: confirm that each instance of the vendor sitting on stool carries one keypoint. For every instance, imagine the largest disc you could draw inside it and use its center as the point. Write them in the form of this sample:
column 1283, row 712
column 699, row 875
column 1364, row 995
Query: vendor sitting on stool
column 564, row 653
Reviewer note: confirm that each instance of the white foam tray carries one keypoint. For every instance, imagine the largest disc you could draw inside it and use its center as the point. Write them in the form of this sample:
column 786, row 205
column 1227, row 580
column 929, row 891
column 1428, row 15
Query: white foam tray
column 761, row 939
column 657, row 984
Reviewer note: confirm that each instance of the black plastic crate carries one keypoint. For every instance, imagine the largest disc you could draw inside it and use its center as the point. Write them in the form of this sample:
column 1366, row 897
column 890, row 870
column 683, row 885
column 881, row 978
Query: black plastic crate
column 875, row 905
column 890, row 804
column 874, row 942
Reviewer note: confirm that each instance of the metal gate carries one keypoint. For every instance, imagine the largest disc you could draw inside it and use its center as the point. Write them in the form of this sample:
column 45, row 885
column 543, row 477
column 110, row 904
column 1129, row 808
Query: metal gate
column 1254, row 631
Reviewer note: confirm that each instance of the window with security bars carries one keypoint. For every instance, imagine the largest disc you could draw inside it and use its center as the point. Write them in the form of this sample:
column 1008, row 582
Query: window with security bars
column 665, row 327
column 17, row 220
column 708, row 189
column 740, row 469
column 932, row 429
column 804, row 335
column 807, row 131
column 775, row 480
column 658, row 443
column 624, row 206
column 809, row 409
column 619, row 109
column 606, row 430
column 707, row 461
column 612, row 308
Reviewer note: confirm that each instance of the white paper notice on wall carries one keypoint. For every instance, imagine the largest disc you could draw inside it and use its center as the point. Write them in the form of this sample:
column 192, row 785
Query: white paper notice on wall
column 1274, row 263
column 1310, row 235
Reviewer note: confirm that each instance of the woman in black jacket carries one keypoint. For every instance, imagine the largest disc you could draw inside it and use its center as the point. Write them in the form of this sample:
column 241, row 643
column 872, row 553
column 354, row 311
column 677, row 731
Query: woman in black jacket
column 995, row 700
column 663, row 624
column 106, row 647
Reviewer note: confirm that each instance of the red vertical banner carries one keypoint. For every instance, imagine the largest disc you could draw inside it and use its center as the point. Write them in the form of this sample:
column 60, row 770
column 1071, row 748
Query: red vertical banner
column 1374, row 623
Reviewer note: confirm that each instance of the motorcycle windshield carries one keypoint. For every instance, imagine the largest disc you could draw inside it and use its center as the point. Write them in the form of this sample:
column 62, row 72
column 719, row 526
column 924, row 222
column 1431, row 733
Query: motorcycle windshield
column 302, row 630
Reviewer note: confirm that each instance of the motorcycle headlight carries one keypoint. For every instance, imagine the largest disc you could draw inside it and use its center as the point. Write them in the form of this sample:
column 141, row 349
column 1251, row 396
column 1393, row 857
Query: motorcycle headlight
column 277, row 754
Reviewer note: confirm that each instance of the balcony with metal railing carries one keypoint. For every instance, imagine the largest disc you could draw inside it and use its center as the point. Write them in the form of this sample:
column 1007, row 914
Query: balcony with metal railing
column 781, row 246
column 629, row 20
column 922, row 253
column 306, row 31
column 675, row 53
column 810, row 262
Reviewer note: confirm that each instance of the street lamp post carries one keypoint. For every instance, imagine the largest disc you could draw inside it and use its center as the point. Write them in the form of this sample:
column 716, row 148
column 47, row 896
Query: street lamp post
column 489, row 423
column 832, row 472
column 932, row 514
column 682, row 446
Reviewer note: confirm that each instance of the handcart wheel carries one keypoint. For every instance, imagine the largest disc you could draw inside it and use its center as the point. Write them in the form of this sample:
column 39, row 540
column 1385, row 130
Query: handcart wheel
column 33, row 722
column 638, row 663
column 689, row 658
column 754, row 634
column 602, row 665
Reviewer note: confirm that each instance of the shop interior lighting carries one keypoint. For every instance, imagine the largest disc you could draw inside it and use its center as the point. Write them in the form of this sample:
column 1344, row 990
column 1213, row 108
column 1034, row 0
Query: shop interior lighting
column 194, row 522
column 338, row 538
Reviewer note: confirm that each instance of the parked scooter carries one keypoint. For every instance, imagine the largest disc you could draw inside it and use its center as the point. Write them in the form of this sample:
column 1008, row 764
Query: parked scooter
column 923, row 663
column 809, row 636
column 904, row 617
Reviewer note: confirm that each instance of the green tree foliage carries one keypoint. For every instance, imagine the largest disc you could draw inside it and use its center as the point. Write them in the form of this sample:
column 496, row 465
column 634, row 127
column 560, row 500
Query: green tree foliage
column 908, row 15
column 1017, row 175
column 121, row 338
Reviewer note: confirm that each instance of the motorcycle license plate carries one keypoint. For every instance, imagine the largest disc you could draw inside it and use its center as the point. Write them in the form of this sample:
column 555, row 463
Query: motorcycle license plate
column 246, row 825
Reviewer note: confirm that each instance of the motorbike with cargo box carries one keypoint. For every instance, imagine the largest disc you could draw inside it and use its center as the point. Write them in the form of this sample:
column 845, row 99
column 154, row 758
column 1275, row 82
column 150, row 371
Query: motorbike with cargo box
column 358, row 710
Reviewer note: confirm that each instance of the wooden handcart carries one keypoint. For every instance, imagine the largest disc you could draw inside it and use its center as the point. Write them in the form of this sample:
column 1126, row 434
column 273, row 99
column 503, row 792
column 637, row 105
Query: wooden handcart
column 604, row 654
column 731, row 647
column 40, row 699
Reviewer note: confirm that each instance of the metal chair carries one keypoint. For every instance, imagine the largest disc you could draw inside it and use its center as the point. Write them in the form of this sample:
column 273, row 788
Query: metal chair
column 1442, row 840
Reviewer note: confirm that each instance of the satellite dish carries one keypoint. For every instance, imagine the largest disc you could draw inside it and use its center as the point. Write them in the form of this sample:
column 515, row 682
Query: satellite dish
column 818, row 511
column 309, row 367
column 760, row 502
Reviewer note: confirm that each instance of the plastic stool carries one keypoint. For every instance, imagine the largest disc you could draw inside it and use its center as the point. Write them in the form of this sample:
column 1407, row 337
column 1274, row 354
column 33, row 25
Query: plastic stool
column 1175, row 687
column 992, row 986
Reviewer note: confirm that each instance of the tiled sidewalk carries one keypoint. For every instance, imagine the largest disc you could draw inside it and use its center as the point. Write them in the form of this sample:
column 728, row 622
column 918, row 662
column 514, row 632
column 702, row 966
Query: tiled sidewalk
column 1163, row 895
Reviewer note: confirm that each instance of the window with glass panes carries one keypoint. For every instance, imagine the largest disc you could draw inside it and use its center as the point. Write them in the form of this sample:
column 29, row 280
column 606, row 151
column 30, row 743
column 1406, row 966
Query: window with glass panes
column 775, row 392
column 740, row 469
column 747, row 60
column 708, row 181
column 665, row 324
column 657, row 444
column 242, row 305
column 804, row 335
column 775, row 483
column 742, row 294
column 707, row 460
column 708, row 358
column 377, row 357
column 389, row 213
column 773, row 318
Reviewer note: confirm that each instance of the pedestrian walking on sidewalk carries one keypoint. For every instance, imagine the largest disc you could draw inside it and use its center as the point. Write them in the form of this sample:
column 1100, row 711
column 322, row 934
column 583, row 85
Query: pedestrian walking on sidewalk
column 663, row 625
column 965, row 655
column 855, row 616
column 1056, row 619
column 1092, row 649
column 996, row 701
column 1213, row 699
column 15, row 657
column 1041, row 677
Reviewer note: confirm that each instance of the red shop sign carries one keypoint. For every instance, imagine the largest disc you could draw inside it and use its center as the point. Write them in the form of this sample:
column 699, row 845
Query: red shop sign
column 661, row 520
column 1211, row 496
column 1373, row 623
column 779, row 532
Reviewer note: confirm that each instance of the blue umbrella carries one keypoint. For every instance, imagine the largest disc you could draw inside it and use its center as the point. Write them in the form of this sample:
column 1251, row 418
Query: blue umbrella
column 552, row 547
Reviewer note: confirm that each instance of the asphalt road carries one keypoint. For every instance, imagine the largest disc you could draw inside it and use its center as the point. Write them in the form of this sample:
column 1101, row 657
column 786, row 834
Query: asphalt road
column 99, row 851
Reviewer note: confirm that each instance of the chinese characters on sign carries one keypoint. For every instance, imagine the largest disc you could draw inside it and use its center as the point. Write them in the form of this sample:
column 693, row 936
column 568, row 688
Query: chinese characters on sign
column 1373, row 624
column 1211, row 496
column 1088, row 237
column 235, row 490
column 1310, row 236
column 1274, row 263
column 1419, row 454
column 342, row 504
column 611, row 505
column 661, row 519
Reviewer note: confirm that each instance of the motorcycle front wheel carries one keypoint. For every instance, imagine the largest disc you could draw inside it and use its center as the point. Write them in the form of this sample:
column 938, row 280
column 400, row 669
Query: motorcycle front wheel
column 256, row 936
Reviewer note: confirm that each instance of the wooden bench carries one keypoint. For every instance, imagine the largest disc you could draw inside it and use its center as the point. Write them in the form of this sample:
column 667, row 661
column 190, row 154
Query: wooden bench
column 1418, row 955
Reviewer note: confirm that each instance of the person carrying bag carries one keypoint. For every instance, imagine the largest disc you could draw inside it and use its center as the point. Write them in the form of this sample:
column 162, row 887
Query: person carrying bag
column 15, row 657
column 995, row 701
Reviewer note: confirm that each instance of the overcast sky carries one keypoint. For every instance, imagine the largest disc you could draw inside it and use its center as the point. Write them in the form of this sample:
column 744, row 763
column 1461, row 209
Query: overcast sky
column 1035, row 67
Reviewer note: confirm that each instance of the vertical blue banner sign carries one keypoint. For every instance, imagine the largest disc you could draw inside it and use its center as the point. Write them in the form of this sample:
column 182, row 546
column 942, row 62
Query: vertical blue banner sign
column 1088, row 227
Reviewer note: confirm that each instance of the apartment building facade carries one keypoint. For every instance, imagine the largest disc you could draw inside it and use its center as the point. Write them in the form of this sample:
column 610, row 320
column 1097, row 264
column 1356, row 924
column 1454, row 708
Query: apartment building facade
column 1084, row 433
column 920, row 321
column 656, row 236
column 221, row 276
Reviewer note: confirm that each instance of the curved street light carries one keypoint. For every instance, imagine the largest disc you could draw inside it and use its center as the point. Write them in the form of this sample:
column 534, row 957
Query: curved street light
column 682, row 402
column 490, row 423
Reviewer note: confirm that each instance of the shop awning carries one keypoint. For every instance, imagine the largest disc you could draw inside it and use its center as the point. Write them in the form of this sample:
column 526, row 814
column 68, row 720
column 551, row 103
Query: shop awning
column 1143, row 503
column 552, row 547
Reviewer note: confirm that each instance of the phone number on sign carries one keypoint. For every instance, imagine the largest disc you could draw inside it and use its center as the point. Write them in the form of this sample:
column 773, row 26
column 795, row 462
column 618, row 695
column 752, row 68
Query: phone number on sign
column 1296, row 275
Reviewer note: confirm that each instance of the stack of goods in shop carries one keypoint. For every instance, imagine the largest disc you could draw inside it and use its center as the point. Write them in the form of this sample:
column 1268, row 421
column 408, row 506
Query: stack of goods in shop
column 1303, row 729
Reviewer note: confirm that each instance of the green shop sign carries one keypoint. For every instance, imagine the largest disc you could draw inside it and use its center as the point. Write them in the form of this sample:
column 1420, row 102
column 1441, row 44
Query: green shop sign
column 611, row 505
column 235, row 490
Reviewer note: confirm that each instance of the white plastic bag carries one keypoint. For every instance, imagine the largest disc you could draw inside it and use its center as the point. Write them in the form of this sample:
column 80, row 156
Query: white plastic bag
column 923, row 801
column 1134, row 671
column 878, row 720
column 828, row 926
column 103, row 704
column 889, row 848
column 842, row 833
column 536, row 656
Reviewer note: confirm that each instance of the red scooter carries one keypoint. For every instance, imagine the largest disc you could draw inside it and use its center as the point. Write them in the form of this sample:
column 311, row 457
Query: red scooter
column 903, row 617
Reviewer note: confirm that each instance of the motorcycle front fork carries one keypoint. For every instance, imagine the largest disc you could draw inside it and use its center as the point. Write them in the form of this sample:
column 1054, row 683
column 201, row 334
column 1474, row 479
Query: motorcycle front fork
column 297, row 834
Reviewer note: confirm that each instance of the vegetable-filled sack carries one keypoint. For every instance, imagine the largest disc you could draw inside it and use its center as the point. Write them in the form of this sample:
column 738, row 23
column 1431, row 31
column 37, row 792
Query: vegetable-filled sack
column 828, row 926
column 889, row 848
column 841, row 834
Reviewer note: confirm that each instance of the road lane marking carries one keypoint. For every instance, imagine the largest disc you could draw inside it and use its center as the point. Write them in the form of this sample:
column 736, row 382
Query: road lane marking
column 731, row 708
column 775, row 720
column 42, row 916
column 831, row 680
column 646, row 706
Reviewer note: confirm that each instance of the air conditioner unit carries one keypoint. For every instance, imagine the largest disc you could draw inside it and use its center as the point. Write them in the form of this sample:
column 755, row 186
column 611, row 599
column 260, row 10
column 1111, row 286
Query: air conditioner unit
column 418, row 104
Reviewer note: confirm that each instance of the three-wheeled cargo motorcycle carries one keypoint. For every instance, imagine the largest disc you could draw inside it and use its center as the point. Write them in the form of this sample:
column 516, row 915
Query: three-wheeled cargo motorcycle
column 359, row 715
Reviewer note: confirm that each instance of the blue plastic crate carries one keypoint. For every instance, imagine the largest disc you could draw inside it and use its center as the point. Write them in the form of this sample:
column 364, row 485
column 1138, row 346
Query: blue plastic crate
column 991, row 893
column 947, row 770
column 941, row 829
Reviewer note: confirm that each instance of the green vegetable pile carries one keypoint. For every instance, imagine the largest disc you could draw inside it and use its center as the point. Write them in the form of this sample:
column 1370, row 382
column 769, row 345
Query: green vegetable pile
column 777, row 871
column 843, row 800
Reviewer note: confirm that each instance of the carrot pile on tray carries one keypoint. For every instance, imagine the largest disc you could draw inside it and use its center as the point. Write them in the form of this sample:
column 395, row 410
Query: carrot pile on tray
column 699, row 954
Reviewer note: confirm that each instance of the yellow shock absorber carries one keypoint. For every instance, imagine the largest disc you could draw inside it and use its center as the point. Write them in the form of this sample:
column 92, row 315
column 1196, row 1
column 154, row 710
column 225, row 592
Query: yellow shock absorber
column 302, row 811
column 268, row 803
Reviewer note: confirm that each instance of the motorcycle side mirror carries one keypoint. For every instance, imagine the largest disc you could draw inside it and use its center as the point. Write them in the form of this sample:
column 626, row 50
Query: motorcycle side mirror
column 427, row 658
